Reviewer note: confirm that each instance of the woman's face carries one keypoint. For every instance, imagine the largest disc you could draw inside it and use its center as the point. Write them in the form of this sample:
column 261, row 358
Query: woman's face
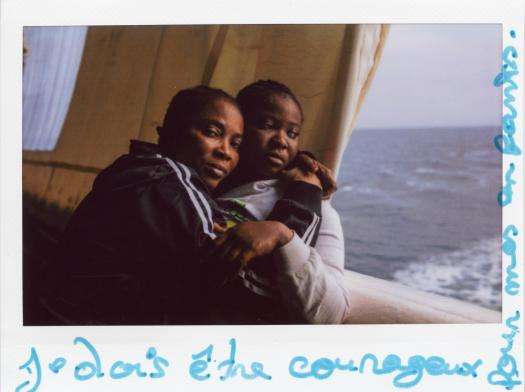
column 271, row 140
column 211, row 144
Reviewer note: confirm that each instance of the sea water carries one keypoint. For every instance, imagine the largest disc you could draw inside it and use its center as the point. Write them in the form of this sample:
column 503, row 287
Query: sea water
column 420, row 207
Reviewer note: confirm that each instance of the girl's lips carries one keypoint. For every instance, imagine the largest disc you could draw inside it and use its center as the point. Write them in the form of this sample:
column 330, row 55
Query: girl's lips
column 275, row 158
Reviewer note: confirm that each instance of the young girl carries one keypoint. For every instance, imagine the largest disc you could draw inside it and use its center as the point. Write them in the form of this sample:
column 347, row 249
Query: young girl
column 301, row 283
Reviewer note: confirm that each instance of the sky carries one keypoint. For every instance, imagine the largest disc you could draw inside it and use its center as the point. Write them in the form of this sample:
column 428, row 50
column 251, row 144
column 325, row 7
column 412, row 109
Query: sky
column 436, row 75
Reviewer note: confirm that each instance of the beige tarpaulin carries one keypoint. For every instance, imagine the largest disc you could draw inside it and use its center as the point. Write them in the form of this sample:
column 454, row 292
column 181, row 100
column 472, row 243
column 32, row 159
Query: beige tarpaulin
column 129, row 74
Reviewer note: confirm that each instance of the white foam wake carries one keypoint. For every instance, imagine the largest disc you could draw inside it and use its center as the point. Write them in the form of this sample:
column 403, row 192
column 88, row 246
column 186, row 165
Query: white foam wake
column 472, row 274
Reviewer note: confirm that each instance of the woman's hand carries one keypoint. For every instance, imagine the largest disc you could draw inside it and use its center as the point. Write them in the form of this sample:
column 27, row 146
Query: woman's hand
column 249, row 240
column 219, row 229
column 326, row 177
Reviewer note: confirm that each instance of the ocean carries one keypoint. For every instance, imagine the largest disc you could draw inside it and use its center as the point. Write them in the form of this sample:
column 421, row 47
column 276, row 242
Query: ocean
column 420, row 207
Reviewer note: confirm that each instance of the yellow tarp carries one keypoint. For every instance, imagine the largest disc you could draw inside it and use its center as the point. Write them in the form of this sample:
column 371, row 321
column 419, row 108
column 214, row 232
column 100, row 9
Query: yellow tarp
column 129, row 74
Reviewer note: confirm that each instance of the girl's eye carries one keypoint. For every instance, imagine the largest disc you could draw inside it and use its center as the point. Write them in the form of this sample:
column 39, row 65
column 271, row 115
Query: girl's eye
column 293, row 134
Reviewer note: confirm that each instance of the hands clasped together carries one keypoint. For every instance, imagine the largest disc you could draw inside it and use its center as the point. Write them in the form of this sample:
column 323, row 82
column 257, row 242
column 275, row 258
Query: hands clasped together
column 249, row 240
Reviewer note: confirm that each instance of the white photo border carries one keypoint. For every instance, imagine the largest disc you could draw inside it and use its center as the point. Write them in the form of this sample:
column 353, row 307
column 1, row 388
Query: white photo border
column 276, row 345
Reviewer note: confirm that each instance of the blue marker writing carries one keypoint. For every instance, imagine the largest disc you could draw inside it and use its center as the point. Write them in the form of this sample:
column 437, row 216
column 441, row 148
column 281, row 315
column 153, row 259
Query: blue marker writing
column 121, row 369
column 505, row 142
column 505, row 196
column 506, row 373
column 200, row 365
column 32, row 364
column 407, row 375
column 57, row 365
column 159, row 363
column 232, row 368
column 512, row 284
column 320, row 369
column 201, row 361
column 94, row 368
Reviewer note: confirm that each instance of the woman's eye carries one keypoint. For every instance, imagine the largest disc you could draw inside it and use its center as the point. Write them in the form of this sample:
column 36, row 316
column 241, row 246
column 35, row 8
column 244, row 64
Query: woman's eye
column 211, row 132
column 267, row 124
column 236, row 144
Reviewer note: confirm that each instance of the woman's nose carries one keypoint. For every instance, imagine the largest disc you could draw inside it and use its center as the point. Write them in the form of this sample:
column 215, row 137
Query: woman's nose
column 224, row 150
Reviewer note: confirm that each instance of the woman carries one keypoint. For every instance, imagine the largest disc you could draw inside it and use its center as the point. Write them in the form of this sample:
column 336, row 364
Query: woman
column 301, row 281
column 126, row 256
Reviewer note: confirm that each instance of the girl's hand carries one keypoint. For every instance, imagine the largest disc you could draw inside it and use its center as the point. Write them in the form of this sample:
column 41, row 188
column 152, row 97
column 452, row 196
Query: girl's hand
column 249, row 240
column 298, row 174
column 325, row 175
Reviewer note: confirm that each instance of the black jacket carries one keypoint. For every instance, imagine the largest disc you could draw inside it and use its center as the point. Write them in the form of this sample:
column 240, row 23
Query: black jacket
column 133, row 251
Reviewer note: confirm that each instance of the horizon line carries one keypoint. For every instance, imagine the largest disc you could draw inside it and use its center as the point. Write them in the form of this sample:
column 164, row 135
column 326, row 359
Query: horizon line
column 437, row 128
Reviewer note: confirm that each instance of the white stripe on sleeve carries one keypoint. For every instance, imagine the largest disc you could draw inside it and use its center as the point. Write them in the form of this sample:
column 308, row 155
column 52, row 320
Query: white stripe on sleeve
column 199, row 195
column 308, row 235
column 207, row 225
column 255, row 288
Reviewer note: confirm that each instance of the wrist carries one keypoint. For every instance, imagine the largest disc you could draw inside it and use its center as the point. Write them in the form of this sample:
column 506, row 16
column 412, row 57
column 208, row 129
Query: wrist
column 315, row 181
column 312, row 180
column 285, row 234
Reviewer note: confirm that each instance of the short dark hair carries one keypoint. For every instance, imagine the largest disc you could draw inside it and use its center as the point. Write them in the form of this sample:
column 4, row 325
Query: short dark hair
column 184, row 107
column 250, row 97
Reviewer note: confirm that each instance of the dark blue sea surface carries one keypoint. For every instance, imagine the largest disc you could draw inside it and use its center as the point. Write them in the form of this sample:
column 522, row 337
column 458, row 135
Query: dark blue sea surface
column 420, row 207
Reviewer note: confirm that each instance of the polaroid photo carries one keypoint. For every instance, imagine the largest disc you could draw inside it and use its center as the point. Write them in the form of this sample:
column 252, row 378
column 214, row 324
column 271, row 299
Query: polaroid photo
column 293, row 195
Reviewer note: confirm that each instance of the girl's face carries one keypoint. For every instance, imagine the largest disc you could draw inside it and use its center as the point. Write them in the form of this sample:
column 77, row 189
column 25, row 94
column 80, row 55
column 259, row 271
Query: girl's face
column 271, row 140
column 211, row 144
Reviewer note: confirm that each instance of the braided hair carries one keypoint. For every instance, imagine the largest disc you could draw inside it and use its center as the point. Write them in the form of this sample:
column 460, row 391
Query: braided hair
column 252, row 95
